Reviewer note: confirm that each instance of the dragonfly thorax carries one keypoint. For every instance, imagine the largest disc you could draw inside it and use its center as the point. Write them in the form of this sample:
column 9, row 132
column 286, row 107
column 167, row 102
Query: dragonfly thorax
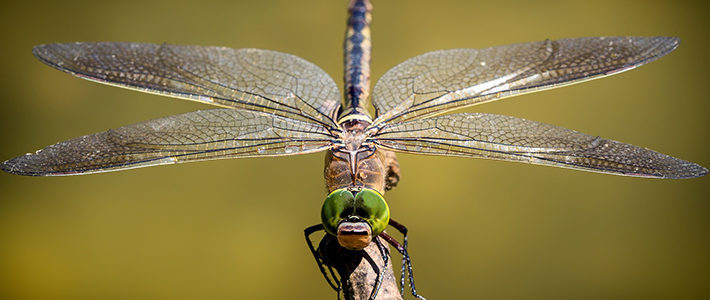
column 364, row 167
column 353, row 135
column 352, row 161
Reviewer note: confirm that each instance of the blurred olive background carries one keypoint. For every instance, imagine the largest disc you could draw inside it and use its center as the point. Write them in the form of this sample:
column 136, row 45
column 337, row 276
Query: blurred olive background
column 232, row 229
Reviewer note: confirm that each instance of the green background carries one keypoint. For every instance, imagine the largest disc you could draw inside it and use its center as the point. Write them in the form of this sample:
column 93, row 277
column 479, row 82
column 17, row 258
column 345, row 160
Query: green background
column 232, row 229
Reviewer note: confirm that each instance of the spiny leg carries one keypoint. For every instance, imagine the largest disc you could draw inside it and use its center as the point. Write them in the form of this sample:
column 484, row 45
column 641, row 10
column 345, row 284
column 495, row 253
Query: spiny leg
column 406, row 260
column 381, row 274
column 401, row 250
column 308, row 231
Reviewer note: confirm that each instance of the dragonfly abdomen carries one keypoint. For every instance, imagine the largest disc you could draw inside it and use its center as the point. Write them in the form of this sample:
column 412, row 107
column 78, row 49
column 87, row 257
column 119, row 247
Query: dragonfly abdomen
column 357, row 59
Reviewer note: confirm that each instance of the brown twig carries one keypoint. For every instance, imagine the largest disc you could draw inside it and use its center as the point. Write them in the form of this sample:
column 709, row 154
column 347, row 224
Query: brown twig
column 358, row 270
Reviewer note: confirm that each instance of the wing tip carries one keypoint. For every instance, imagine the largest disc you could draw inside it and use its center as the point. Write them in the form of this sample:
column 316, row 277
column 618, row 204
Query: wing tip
column 672, row 40
column 21, row 166
column 680, row 169
column 58, row 54
column 43, row 53
column 42, row 49
column 690, row 170
column 669, row 44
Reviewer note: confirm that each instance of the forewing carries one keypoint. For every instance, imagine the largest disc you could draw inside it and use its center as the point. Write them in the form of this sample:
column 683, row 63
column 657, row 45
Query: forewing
column 253, row 79
column 440, row 81
column 514, row 139
column 200, row 135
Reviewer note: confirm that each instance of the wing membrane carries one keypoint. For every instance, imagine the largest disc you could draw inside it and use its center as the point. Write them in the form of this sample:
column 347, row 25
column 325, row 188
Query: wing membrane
column 200, row 135
column 440, row 81
column 254, row 79
column 514, row 139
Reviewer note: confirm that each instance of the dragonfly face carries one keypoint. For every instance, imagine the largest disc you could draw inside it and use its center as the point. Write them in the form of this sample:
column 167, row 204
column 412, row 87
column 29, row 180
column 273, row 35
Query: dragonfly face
column 354, row 216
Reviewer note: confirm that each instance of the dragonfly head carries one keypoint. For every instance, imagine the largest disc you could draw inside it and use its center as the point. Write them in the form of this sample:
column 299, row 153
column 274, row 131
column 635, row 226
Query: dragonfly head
column 354, row 216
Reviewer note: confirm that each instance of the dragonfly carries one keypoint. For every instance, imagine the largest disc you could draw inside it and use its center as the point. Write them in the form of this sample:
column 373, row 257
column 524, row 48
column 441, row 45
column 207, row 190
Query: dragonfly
column 269, row 103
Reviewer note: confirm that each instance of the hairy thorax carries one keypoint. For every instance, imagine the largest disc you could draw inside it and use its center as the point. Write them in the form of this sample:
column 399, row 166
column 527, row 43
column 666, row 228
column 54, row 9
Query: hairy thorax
column 357, row 163
column 370, row 171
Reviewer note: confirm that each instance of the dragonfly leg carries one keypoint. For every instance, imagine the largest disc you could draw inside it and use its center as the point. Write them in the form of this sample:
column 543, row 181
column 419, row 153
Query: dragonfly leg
column 381, row 274
column 401, row 250
column 406, row 260
column 319, row 259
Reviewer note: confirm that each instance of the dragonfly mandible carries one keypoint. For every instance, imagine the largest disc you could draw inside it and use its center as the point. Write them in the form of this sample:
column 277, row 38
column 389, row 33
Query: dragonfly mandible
column 276, row 104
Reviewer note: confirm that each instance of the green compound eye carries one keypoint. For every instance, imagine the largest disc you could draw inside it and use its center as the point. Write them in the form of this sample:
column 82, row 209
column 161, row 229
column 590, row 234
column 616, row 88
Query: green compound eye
column 335, row 209
column 374, row 209
column 367, row 205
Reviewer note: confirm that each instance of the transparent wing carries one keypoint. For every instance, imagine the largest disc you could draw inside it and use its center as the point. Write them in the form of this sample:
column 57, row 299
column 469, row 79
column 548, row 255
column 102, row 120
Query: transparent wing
column 200, row 135
column 254, row 79
column 515, row 139
column 440, row 81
